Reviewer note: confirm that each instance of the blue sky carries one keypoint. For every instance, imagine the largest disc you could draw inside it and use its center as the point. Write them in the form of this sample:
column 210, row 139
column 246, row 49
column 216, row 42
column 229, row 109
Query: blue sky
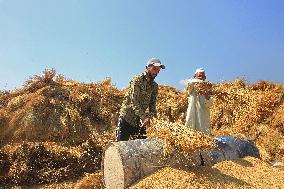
column 89, row 40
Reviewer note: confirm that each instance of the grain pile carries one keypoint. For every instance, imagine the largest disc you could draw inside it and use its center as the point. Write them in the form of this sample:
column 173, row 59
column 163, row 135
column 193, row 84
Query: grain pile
column 244, row 173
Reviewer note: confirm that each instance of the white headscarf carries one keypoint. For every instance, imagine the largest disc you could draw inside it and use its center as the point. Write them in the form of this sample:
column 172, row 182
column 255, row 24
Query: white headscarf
column 199, row 70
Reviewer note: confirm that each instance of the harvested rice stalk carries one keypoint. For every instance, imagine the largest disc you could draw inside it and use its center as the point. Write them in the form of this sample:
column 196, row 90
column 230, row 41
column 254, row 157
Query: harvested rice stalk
column 179, row 138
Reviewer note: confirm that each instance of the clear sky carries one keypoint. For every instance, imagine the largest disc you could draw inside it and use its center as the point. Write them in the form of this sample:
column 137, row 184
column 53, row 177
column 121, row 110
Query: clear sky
column 89, row 40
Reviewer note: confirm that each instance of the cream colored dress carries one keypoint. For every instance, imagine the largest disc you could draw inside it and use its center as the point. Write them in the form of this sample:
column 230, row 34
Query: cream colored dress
column 198, row 111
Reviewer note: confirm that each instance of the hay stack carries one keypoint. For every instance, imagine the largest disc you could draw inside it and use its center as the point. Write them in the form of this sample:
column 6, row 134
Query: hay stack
column 58, row 110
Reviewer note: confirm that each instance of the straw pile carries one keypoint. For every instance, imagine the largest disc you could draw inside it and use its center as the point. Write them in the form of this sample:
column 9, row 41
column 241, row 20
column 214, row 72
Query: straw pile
column 55, row 129
column 52, row 127
column 31, row 163
column 58, row 110
column 87, row 182
column 253, row 111
column 171, row 105
column 243, row 106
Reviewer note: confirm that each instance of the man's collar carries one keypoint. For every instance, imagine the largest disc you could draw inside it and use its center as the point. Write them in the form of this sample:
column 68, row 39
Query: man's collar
column 145, row 77
column 145, row 74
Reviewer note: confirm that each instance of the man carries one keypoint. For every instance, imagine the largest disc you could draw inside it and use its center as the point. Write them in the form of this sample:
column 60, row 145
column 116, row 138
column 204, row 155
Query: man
column 139, row 105
column 199, row 102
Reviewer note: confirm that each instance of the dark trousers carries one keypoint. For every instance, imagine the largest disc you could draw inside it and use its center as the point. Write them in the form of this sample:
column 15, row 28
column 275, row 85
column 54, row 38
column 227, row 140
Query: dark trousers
column 125, row 131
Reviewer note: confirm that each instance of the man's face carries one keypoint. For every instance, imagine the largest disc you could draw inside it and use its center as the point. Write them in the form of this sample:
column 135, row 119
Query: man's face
column 154, row 71
column 200, row 75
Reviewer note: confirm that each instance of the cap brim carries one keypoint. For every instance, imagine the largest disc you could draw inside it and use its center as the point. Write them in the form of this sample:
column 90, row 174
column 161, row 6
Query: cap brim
column 159, row 65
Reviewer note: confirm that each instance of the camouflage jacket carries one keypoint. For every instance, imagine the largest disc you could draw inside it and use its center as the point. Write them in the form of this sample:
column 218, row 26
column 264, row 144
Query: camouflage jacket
column 140, row 100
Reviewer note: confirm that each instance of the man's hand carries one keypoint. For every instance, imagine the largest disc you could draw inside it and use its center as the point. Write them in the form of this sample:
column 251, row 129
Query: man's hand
column 207, row 96
column 147, row 122
column 204, row 88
